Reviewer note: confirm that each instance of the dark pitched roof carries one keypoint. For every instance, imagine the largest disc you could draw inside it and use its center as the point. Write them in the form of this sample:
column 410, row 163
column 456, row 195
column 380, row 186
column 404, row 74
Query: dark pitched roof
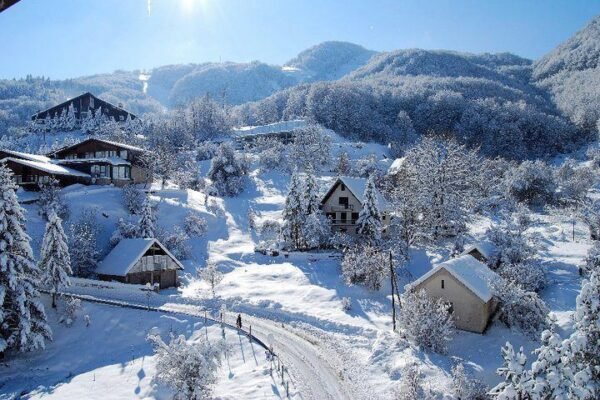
column 122, row 145
column 98, row 102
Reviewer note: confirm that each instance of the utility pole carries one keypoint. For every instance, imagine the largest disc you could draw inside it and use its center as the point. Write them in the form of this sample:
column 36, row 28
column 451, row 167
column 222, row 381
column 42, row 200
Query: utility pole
column 393, row 300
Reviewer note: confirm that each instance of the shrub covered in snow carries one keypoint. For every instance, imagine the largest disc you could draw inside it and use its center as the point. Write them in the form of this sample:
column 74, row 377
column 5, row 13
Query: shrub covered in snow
column 466, row 387
column 72, row 308
column 529, row 276
column 520, row 309
column 573, row 183
column 410, row 386
column 425, row 321
column 176, row 241
column 211, row 275
column 311, row 149
column 194, row 224
column 366, row 265
column 133, row 199
column 532, row 182
column 517, row 379
column 592, row 260
column 190, row 369
column 227, row 171
column 126, row 229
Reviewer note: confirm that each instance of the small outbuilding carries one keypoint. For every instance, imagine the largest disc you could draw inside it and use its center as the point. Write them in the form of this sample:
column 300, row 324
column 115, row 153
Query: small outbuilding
column 482, row 251
column 464, row 282
column 140, row 261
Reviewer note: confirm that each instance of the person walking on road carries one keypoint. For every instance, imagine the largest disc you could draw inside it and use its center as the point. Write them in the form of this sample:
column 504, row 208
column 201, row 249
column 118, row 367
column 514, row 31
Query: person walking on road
column 238, row 322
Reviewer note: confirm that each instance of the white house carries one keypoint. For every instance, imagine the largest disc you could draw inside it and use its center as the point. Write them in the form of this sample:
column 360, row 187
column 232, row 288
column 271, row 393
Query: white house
column 464, row 282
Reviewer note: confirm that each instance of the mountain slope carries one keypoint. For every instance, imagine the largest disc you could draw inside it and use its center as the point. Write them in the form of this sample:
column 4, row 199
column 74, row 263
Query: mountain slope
column 571, row 72
column 330, row 60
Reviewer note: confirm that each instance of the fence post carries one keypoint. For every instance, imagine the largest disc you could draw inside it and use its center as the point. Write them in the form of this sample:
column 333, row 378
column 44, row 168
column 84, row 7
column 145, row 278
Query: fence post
column 205, row 317
column 250, row 334
column 287, row 389
column 282, row 374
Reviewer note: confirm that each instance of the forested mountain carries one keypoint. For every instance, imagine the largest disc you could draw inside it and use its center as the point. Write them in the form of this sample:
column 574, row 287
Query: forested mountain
column 572, row 74
column 329, row 61
column 483, row 100
column 502, row 103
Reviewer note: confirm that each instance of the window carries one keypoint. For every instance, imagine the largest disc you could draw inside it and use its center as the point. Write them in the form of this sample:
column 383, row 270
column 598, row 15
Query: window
column 123, row 154
column 354, row 217
column 100, row 171
column 442, row 284
column 89, row 154
column 121, row 172
column 112, row 153
column 43, row 179
column 343, row 217
column 100, row 154
column 343, row 201
column 343, row 187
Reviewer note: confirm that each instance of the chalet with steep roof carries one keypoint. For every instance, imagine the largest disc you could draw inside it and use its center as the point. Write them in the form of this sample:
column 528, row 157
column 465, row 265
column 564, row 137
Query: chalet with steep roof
column 93, row 161
column 82, row 105
column 140, row 261
column 343, row 201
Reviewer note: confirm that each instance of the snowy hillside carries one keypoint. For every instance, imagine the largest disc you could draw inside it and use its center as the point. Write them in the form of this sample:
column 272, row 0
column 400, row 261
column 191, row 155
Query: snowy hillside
column 571, row 72
column 330, row 60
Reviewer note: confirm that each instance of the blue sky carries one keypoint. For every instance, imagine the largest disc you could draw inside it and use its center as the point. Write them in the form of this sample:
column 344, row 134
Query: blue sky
column 69, row 38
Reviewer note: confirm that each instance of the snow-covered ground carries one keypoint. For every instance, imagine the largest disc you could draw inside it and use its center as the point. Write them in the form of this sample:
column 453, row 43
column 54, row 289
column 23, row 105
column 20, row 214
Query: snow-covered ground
column 302, row 292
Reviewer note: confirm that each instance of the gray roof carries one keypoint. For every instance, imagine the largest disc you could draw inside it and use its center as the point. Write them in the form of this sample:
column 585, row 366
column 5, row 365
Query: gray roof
column 475, row 275
column 125, row 254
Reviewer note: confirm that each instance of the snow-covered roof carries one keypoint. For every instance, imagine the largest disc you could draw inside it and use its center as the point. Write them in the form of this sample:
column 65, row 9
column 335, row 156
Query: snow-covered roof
column 122, row 145
column 475, row 275
column 26, row 156
column 487, row 249
column 357, row 187
column 125, row 254
column 106, row 160
column 396, row 165
column 48, row 167
column 277, row 127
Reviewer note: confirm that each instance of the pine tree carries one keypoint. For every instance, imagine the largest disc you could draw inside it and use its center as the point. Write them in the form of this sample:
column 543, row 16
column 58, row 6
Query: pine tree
column 517, row 380
column 23, row 325
column 293, row 213
column 369, row 218
column 82, row 245
column 582, row 348
column 147, row 228
column 311, row 194
column 343, row 165
column 548, row 371
column 70, row 120
column 55, row 262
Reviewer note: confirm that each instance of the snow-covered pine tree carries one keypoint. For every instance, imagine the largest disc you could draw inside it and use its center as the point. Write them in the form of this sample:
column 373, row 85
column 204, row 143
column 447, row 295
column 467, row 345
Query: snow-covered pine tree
column 343, row 164
column 582, row 348
column 312, row 200
column 369, row 218
column 293, row 213
column 227, row 171
column 82, row 244
column 315, row 227
column 147, row 226
column 23, row 325
column 70, row 120
column 548, row 371
column 517, row 383
column 50, row 200
column 55, row 262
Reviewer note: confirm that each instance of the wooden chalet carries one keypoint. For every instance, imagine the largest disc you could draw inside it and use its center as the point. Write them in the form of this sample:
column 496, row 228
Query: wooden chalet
column 82, row 106
column 105, row 161
column 140, row 261
column 93, row 161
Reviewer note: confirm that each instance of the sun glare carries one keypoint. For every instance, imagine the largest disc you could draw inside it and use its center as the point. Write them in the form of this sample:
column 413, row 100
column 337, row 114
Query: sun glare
column 188, row 5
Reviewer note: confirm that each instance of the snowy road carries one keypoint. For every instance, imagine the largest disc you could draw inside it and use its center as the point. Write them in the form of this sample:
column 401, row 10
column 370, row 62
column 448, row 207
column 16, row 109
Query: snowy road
column 312, row 376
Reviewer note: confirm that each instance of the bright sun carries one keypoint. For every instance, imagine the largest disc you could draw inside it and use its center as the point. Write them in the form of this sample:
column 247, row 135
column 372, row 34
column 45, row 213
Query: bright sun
column 188, row 5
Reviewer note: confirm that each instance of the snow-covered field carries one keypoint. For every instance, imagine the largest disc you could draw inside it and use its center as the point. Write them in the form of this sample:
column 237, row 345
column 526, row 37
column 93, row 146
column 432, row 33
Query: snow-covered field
column 303, row 292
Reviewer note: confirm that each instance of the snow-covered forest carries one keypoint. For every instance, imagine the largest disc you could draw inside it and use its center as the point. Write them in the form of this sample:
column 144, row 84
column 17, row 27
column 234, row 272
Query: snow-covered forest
column 352, row 224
